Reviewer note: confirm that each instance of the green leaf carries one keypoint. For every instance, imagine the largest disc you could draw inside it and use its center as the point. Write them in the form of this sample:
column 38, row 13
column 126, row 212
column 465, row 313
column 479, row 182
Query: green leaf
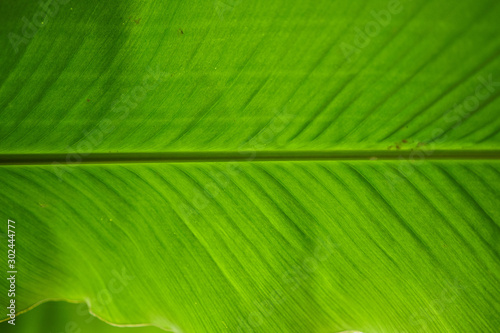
column 262, row 77
column 284, row 166
column 290, row 246
column 62, row 317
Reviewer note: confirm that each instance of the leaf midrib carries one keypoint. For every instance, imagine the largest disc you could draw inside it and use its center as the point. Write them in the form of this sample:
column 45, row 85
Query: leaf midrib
column 246, row 156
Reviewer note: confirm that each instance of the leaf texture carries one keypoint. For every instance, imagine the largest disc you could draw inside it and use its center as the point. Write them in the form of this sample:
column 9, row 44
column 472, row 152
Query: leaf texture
column 121, row 77
column 313, row 166
column 284, row 246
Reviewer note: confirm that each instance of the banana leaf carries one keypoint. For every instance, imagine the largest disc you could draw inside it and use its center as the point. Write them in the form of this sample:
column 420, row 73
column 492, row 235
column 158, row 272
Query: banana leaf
column 231, row 166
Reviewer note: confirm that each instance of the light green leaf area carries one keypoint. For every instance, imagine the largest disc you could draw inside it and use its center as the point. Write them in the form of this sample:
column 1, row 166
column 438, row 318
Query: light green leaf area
column 215, row 75
column 263, row 247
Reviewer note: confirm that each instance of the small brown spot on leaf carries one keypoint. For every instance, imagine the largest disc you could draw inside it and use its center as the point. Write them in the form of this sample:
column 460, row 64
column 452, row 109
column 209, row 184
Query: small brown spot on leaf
column 181, row 32
column 88, row 100
column 405, row 141
column 138, row 21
